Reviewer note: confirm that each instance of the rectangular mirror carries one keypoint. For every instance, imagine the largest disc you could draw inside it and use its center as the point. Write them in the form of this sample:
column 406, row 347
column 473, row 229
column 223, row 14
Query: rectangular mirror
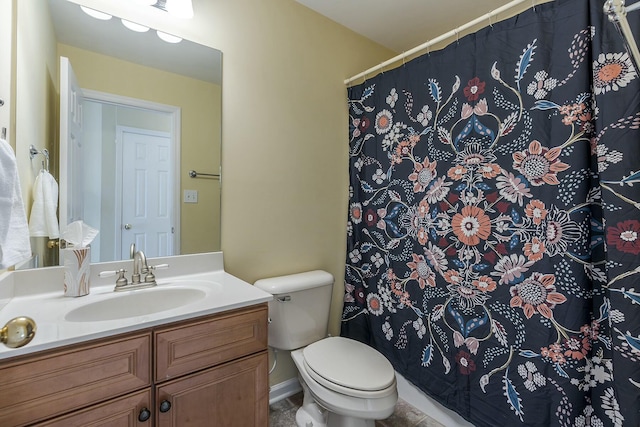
column 149, row 112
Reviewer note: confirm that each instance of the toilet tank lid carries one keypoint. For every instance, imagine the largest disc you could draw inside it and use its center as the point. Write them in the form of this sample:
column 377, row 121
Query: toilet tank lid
column 295, row 282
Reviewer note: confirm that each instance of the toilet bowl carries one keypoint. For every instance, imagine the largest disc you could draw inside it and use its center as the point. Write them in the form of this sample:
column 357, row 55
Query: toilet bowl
column 346, row 383
column 351, row 380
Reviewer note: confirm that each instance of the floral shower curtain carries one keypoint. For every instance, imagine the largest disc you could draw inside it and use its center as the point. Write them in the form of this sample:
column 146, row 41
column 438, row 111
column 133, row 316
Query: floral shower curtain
column 494, row 228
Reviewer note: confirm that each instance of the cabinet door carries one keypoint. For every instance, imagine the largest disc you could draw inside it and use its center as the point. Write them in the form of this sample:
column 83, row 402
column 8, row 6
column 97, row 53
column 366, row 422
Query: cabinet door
column 126, row 411
column 36, row 388
column 231, row 395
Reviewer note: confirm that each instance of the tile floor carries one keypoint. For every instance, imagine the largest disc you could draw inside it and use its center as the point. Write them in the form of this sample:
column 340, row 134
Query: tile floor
column 283, row 414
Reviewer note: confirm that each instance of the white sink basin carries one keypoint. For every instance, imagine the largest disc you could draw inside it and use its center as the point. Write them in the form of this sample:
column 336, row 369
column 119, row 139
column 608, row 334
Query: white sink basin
column 135, row 303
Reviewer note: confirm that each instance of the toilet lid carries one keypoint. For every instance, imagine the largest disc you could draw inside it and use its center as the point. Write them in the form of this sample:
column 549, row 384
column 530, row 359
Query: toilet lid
column 350, row 364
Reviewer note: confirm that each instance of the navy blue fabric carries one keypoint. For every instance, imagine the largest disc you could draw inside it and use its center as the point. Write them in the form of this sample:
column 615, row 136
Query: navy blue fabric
column 494, row 225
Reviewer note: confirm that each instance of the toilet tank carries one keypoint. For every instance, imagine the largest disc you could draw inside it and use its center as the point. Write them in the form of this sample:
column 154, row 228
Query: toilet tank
column 299, row 311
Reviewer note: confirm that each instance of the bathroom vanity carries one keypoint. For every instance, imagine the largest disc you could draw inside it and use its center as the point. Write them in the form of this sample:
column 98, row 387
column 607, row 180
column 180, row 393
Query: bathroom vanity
column 203, row 363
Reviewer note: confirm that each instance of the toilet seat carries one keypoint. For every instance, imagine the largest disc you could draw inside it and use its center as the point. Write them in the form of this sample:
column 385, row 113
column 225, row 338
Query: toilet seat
column 349, row 367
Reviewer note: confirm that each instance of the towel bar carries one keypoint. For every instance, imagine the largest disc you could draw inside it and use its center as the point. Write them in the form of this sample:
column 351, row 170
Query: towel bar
column 194, row 174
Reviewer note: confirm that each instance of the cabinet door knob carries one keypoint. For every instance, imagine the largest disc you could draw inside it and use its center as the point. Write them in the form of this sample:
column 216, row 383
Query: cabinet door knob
column 144, row 415
column 165, row 406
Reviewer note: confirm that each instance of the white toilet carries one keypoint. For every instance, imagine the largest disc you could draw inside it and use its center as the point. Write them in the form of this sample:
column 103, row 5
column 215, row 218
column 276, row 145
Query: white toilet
column 345, row 383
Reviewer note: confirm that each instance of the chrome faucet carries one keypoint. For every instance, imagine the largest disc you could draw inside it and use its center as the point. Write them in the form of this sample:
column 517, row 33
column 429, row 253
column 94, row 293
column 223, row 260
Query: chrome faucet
column 139, row 266
column 142, row 276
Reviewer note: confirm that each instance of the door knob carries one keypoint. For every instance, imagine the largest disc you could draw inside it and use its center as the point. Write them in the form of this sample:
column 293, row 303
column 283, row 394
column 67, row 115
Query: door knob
column 18, row 332
column 127, row 226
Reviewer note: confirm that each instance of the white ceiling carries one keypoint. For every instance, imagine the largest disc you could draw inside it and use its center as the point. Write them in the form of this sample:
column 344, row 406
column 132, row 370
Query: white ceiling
column 402, row 24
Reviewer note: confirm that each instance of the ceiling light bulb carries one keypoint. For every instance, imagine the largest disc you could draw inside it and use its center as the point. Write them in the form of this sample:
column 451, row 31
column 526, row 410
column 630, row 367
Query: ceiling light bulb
column 135, row 27
column 180, row 8
column 95, row 14
column 168, row 37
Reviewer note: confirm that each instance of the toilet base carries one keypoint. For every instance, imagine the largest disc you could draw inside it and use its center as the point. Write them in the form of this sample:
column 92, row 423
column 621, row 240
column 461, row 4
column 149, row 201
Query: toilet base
column 336, row 420
column 310, row 414
column 307, row 417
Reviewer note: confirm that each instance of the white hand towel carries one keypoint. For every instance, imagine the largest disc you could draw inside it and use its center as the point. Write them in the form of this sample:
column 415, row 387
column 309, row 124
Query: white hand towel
column 43, row 221
column 14, row 232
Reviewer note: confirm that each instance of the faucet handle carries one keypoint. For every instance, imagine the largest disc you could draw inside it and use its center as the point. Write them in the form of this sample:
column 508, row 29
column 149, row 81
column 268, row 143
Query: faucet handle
column 150, row 277
column 158, row 267
column 108, row 273
column 121, row 281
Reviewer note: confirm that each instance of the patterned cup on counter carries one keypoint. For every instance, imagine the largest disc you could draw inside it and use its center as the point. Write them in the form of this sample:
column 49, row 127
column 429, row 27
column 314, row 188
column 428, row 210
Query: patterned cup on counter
column 77, row 271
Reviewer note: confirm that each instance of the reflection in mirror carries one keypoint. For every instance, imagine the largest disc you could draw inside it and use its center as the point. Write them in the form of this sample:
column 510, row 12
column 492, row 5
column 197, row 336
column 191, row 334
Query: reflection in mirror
column 116, row 173
column 126, row 74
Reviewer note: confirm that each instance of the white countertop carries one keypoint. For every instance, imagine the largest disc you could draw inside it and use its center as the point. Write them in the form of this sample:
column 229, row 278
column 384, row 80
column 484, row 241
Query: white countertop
column 38, row 294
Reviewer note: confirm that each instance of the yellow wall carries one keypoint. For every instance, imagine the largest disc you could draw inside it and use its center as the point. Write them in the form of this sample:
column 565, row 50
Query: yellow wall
column 7, row 64
column 36, row 92
column 35, row 110
column 200, row 133
column 285, row 159
column 285, row 133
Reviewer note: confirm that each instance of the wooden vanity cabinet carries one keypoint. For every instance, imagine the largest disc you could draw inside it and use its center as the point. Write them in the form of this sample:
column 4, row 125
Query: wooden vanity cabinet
column 230, row 385
column 209, row 371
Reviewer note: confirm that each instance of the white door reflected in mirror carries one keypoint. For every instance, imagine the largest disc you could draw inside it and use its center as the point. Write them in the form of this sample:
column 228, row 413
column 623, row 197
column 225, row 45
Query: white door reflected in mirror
column 147, row 191
column 71, row 146
column 131, row 184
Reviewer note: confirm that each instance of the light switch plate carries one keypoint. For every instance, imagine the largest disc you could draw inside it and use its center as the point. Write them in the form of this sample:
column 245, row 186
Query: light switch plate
column 190, row 196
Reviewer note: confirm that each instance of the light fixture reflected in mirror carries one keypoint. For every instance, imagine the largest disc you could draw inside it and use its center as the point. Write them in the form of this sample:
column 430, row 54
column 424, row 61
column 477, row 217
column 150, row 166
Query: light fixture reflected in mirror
column 182, row 9
column 134, row 27
column 168, row 37
column 95, row 14
column 179, row 8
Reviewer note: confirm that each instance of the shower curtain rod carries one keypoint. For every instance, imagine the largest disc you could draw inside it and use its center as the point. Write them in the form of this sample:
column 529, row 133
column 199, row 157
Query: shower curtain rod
column 617, row 12
column 452, row 33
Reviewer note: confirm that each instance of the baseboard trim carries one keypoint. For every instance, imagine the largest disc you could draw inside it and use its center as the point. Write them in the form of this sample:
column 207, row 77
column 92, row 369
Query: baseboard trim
column 282, row 390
